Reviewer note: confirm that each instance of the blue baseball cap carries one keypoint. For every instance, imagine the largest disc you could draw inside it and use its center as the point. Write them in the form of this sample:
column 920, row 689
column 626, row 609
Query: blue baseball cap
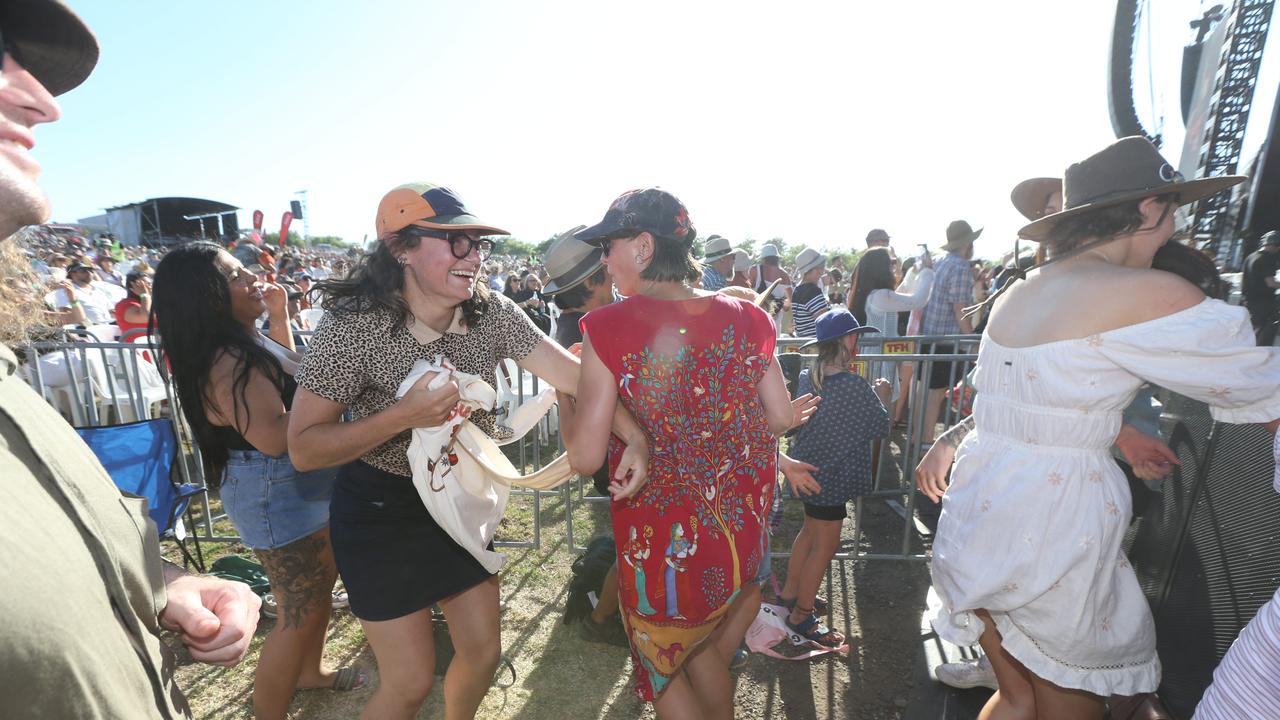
column 835, row 324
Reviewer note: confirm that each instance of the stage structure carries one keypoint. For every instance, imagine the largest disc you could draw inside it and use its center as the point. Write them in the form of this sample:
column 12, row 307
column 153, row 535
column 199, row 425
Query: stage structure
column 169, row 220
column 1214, row 108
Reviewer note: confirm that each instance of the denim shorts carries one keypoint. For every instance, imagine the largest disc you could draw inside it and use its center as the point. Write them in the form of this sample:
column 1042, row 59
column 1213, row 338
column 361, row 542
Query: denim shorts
column 270, row 502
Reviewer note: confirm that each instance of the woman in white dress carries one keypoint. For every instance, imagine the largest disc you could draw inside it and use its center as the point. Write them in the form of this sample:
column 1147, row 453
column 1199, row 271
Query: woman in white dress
column 1027, row 558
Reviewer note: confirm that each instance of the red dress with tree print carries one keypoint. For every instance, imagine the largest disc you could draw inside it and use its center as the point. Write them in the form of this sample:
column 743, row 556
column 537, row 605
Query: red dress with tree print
column 688, row 370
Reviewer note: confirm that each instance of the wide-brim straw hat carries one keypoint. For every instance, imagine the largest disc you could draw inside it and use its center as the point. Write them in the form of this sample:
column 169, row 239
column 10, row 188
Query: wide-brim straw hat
column 808, row 259
column 569, row 262
column 715, row 248
column 1129, row 169
column 959, row 234
column 1031, row 196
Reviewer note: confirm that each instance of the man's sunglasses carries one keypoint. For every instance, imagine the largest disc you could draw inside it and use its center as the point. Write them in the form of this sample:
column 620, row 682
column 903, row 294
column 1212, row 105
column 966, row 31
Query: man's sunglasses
column 460, row 244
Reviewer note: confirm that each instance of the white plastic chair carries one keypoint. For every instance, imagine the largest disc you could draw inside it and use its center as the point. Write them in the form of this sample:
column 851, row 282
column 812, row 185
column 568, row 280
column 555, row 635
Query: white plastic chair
column 311, row 316
column 506, row 373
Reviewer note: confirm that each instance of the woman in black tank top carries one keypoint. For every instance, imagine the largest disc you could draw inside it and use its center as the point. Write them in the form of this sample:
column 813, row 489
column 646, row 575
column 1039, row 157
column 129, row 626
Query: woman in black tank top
column 235, row 386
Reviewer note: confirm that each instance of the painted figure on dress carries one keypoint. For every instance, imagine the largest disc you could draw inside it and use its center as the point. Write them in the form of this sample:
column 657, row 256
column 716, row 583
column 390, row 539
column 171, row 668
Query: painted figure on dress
column 677, row 557
column 635, row 554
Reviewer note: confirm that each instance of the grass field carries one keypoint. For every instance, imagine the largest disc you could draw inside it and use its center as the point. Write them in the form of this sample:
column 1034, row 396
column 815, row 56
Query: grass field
column 561, row 676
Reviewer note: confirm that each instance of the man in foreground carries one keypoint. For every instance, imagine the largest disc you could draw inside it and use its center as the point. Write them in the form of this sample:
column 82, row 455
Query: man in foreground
column 86, row 595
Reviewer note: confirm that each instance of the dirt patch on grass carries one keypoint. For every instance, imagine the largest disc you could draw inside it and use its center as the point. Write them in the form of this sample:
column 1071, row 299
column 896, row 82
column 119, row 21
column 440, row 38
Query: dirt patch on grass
column 561, row 676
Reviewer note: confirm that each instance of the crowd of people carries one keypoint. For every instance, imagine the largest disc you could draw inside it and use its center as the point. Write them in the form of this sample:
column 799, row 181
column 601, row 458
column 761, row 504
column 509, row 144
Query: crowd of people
column 671, row 398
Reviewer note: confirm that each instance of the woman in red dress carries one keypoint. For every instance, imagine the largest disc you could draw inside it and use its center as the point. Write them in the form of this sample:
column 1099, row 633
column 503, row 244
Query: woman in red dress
column 697, row 371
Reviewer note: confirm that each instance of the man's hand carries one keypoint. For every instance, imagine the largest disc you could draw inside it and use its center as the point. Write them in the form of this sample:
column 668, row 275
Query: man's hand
column 1150, row 458
column 216, row 617
column 799, row 475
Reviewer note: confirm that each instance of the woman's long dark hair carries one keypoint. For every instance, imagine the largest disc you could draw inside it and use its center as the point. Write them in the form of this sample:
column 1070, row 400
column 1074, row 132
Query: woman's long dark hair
column 377, row 281
column 873, row 272
column 191, row 309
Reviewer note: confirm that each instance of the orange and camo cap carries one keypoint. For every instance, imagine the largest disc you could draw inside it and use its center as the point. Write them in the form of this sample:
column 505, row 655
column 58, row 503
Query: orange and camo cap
column 427, row 205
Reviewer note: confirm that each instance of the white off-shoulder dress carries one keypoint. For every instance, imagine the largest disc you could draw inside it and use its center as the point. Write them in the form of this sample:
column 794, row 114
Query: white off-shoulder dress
column 1032, row 523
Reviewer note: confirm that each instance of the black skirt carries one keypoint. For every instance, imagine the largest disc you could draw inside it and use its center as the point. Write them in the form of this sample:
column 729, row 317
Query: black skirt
column 393, row 557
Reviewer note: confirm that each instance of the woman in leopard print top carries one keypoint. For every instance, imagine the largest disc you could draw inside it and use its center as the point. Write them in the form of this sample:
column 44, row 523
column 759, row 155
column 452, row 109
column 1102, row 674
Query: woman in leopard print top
column 414, row 297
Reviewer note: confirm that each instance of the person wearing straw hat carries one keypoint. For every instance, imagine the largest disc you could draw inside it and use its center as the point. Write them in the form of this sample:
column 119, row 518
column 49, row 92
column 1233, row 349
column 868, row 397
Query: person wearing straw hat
column 741, row 264
column 717, row 263
column 767, row 269
column 1149, row 458
column 944, row 314
column 578, row 282
column 1027, row 556
column 808, row 301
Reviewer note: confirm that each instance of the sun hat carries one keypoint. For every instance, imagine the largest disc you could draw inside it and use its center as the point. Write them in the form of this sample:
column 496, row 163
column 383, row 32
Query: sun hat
column 741, row 261
column 76, row 266
column 427, row 205
column 959, row 234
column 652, row 210
column 1131, row 168
column 49, row 40
column 1031, row 196
column 877, row 236
column 807, row 260
column 569, row 262
column 835, row 324
column 716, row 248
column 769, row 250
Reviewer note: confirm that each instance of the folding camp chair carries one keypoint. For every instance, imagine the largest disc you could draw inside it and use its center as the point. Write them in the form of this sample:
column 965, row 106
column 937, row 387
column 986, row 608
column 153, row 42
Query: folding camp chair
column 139, row 457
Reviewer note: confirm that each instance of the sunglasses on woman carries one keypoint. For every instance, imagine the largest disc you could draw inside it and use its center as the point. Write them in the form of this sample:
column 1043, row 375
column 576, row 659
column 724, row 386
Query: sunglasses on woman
column 460, row 243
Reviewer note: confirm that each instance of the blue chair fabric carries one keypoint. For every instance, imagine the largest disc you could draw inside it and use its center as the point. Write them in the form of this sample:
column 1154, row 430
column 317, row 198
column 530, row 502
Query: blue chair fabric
column 139, row 457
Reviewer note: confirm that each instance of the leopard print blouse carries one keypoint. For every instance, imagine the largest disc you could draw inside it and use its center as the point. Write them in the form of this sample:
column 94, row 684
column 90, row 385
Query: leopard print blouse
column 359, row 360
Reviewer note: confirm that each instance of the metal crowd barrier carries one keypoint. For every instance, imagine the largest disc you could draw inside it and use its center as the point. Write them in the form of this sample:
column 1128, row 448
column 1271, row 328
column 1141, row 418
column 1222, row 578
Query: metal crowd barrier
column 93, row 383
column 895, row 479
column 98, row 383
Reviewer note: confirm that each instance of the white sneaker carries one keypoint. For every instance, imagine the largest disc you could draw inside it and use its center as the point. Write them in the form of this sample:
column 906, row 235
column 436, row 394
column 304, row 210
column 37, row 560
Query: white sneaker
column 967, row 674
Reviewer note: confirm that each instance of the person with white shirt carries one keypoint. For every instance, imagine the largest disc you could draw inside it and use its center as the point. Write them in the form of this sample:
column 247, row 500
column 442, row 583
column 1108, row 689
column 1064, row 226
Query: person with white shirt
column 98, row 299
column 875, row 302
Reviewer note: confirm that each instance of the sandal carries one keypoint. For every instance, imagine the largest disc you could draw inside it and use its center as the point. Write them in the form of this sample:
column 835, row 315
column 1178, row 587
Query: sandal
column 349, row 678
column 820, row 604
column 270, row 609
column 811, row 629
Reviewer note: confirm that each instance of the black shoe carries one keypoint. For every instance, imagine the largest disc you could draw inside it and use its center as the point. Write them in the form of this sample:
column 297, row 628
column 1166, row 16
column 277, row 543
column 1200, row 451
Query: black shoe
column 610, row 631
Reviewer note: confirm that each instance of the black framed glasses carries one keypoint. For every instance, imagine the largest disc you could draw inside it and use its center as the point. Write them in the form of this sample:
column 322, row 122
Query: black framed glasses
column 460, row 243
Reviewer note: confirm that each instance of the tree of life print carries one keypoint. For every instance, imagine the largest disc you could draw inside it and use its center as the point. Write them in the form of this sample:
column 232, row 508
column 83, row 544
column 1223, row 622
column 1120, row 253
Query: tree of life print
column 712, row 449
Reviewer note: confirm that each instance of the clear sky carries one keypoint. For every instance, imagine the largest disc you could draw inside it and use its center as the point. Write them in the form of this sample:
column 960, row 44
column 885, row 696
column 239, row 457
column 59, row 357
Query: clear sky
column 811, row 121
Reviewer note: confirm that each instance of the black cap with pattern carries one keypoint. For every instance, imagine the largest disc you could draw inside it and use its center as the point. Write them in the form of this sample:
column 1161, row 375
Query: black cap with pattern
column 651, row 210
